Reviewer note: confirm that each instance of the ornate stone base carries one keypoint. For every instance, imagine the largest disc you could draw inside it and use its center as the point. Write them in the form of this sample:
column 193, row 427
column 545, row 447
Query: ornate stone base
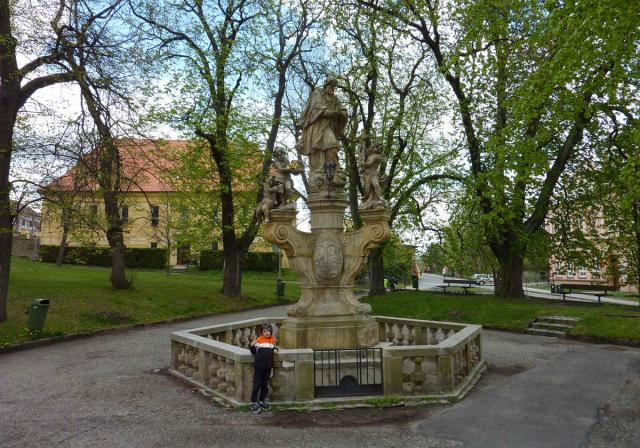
column 331, row 332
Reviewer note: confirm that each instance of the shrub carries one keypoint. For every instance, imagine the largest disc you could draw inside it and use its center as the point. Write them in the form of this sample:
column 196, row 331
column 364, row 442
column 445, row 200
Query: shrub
column 146, row 258
column 261, row 261
column 211, row 259
column 253, row 261
column 101, row 256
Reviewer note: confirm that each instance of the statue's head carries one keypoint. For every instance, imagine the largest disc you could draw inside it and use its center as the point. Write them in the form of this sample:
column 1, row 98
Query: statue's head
column 280, row 153
column 330, row 84
column 376, row 147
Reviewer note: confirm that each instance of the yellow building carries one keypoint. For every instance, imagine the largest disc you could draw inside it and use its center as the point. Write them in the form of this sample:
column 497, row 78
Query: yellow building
column 148, row 204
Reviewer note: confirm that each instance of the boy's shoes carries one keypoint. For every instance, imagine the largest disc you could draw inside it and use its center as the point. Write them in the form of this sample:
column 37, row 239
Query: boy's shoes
column 264, row 405
column 255, row 408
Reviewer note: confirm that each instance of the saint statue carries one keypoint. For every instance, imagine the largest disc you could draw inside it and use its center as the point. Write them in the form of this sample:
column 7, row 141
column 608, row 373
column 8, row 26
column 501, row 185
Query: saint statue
column 284, row 170
column 272, row 188
column 322, row 123
column 370, row 173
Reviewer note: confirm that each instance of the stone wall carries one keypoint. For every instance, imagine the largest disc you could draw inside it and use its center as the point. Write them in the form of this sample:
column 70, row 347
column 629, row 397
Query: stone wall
column 25, row 247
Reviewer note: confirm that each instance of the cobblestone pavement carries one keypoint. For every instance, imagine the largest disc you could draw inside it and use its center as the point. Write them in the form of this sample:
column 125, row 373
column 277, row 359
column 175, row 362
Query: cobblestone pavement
column 112, row 391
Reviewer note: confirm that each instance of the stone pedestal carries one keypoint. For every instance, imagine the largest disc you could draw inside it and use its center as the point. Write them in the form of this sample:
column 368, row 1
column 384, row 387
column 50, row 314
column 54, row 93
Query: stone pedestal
column 328, row 259
column 328, row 332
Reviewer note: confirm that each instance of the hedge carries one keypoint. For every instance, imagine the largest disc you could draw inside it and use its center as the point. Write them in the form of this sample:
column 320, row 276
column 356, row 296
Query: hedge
column 253, row 261
column 101, row 256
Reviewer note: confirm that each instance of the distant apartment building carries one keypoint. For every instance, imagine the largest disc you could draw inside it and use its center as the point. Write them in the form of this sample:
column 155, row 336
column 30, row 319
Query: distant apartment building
column 27, row 222
column 607, row 268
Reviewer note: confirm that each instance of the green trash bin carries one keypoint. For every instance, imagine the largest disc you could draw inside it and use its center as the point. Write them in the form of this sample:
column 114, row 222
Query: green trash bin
column 37, row 314
column 280, row 287
column 414, row 281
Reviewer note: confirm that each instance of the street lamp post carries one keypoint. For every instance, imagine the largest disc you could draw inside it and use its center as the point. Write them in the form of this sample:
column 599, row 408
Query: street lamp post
column 279, row 282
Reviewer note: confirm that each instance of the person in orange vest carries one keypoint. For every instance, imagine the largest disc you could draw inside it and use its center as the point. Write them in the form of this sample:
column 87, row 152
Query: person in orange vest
column 263, row 348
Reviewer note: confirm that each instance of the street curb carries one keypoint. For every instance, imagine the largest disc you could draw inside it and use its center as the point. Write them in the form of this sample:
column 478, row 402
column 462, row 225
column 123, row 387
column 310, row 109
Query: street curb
column 107, row 331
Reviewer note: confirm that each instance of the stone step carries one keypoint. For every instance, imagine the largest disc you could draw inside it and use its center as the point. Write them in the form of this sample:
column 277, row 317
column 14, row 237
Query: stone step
column 564, row 320
column 541, row 332
column 550, row 326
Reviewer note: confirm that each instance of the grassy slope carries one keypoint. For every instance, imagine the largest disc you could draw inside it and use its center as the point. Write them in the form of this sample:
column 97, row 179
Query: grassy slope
column 605, row 321
column 82, row 298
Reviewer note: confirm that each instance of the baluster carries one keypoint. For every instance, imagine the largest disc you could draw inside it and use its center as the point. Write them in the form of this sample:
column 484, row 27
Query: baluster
column 411, row 338
column 396, row 334
column 388, row 331
column 433, row 338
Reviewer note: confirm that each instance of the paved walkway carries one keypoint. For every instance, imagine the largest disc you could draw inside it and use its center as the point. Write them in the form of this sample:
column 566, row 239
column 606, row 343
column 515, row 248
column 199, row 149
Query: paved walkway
column 111, row 391
column 429, row 282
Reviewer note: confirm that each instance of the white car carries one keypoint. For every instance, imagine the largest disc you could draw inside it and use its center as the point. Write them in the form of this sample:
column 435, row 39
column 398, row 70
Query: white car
column 482, row 279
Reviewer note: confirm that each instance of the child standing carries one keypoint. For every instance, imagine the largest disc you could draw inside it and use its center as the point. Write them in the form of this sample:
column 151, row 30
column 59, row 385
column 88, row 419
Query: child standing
column 263, row 348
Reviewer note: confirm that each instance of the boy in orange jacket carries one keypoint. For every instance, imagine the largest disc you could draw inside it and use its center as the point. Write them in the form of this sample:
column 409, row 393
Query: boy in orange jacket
column 263, row 348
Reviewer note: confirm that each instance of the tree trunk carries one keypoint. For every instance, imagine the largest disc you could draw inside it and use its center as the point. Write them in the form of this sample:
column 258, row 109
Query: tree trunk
column 116, row 241
column 167, row 266
column 6, row 240
column 7, row 122
column 511, row 267
column 232, row 275
column 63, row 245
column 118, row 249
column 376, row 272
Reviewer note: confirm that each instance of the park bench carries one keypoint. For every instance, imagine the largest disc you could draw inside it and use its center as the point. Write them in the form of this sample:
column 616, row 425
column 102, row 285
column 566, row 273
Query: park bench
column 595, row 290
column 456, row 283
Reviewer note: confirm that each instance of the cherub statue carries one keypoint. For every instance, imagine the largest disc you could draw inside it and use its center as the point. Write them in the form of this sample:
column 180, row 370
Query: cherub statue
column 371, row 180
column 284, row 170
column 269, row 199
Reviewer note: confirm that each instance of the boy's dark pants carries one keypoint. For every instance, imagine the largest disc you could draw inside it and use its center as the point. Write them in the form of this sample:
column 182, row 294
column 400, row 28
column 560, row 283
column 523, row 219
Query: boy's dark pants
column 261, row 383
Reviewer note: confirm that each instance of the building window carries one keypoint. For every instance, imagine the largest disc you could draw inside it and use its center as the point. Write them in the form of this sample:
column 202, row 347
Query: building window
column 154, row 245
column 93, row 210
column 582, row 273
column 155, row 215
column 124, row 213
column 214, row 246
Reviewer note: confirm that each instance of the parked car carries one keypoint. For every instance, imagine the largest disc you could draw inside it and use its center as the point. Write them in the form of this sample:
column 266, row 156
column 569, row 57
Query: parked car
column 482, row 279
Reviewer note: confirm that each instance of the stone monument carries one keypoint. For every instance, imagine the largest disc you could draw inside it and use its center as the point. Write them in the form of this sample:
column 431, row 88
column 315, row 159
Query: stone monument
column 328, row 259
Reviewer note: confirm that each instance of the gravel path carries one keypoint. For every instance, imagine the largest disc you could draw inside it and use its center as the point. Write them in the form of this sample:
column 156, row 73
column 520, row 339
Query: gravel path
column 112, row 391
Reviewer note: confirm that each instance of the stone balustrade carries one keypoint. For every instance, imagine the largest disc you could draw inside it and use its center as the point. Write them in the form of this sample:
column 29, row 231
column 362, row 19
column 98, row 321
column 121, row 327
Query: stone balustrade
column 217, row 359
column 437, row 359
column 420, row 359
column 238, row 334
column 415, row 332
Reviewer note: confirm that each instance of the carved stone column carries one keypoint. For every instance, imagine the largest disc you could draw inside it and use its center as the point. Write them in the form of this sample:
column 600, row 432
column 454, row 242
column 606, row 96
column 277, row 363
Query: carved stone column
column 328, row 260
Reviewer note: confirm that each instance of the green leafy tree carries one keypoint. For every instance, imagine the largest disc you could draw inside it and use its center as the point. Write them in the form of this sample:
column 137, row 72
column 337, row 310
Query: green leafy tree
column 526, row 81
column 392, row 102
column 222, row 53
column 35, row 32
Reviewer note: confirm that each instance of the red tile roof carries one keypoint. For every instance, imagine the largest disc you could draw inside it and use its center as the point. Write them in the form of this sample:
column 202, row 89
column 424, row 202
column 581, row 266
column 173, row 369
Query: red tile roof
column 145, row 164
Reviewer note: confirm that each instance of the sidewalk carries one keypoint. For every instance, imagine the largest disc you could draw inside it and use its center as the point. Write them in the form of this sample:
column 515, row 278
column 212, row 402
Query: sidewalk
column 112, row 391
column 428, row 282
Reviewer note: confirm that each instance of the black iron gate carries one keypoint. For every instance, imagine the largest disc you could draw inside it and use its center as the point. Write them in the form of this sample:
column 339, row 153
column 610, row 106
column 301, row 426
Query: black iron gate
column 344, row 372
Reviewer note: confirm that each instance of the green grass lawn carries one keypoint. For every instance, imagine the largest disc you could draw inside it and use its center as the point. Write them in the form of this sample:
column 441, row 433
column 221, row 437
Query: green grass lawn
column 601, row 321
column 82, row 298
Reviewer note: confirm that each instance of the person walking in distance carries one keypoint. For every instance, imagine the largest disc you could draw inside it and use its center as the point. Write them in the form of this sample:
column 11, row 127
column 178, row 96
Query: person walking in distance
column 445, row 271
column 263, row 348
